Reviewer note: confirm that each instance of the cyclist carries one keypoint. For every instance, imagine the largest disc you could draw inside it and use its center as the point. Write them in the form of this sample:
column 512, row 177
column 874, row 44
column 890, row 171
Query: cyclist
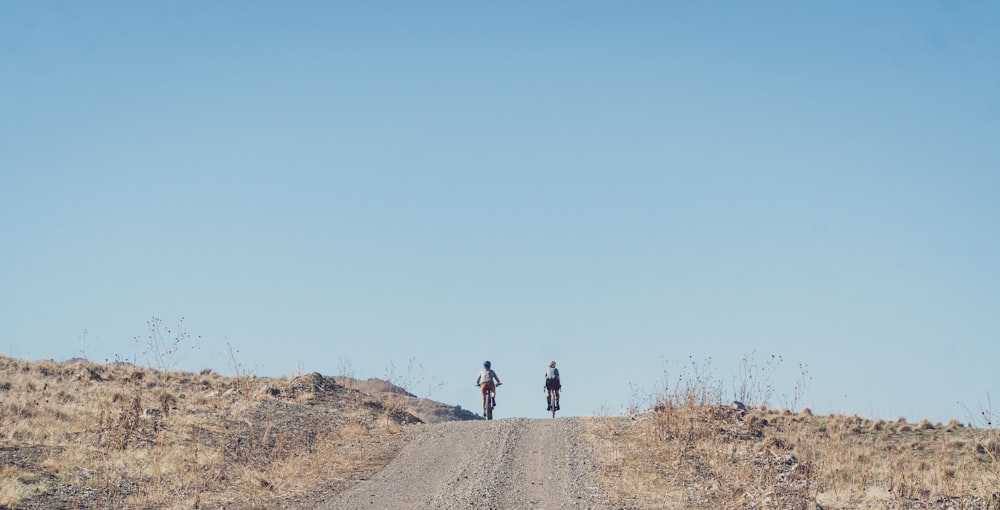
column 552, row 382
column 487, row 382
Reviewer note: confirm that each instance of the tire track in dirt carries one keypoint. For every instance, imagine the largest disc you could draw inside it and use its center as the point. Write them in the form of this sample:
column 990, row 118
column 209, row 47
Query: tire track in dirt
column 513, row 463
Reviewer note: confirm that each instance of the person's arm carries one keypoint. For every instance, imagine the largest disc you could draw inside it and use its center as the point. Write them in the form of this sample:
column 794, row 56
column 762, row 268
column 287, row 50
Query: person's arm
column 497, row 378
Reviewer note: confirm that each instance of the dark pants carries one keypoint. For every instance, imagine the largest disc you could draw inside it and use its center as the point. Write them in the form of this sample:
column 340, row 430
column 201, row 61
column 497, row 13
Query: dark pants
column 552, row 384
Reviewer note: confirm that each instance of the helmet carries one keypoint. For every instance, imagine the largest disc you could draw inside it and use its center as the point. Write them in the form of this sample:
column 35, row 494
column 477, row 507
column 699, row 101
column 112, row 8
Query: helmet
column 486, row 363
column 552, row 364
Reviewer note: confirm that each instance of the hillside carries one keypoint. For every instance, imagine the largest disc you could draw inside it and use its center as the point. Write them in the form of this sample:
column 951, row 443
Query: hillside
column 429, row 411
column 78, row 434
column 83, row 435
column 690, row 455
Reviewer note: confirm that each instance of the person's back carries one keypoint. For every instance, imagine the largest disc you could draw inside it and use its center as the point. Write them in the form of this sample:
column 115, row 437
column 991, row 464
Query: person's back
column 486, row 375
column 551, row 373
column 553, row 384
column 487, row 381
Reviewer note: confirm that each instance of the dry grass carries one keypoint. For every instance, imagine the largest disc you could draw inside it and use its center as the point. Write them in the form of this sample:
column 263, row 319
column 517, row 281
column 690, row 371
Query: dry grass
column 84, row 435
column 694, row 454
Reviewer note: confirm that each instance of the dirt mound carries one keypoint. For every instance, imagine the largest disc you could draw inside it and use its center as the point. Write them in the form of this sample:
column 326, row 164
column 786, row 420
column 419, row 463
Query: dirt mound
column 312, row 383
column 429, row 411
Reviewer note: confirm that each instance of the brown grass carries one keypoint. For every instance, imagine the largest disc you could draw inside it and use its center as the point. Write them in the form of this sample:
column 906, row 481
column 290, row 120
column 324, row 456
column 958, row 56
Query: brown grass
column 699, row 455
column 85, row 435
column 79, row 434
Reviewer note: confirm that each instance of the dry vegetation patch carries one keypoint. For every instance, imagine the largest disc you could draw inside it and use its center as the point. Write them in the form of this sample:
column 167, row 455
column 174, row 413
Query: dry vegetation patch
column 79, row 434
column 701, row 456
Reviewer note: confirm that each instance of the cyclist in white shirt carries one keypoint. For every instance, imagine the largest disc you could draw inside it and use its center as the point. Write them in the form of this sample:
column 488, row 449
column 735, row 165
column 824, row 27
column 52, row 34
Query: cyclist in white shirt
column 487, row 381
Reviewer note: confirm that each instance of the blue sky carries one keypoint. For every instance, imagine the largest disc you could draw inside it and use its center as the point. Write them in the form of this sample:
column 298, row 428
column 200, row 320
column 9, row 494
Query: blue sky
column 619, row 187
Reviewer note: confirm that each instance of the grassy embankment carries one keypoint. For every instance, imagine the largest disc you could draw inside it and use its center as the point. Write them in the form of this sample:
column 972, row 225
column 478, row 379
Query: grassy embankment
column 691, row 451
column 85, row 435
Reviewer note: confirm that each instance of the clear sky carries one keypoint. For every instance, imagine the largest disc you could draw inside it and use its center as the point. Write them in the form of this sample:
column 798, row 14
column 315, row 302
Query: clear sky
column 618, row 186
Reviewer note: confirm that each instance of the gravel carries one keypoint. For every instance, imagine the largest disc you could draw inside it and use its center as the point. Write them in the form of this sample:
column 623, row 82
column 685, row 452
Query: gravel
column 501, row 464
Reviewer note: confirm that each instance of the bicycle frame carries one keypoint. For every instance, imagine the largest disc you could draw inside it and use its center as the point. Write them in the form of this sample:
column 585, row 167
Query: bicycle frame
column 489, row 403
column 553, row 397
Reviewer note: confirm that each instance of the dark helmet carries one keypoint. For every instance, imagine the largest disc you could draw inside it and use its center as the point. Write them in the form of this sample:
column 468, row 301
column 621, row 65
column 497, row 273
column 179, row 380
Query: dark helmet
column 486, row 364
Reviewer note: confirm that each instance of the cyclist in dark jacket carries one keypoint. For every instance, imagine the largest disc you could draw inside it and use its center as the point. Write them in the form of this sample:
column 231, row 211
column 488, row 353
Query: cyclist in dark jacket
column 552, row 382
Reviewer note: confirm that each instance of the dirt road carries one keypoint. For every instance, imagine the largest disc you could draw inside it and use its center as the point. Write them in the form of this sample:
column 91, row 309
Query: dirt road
column 515, row 463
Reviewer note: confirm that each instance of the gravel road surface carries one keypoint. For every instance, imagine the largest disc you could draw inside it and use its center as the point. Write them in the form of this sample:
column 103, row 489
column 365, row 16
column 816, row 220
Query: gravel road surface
column 515, row 463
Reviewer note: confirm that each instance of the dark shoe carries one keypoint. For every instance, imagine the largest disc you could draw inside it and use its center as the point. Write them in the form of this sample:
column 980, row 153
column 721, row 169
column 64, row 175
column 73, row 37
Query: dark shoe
column 548, row 408
column 557, row 407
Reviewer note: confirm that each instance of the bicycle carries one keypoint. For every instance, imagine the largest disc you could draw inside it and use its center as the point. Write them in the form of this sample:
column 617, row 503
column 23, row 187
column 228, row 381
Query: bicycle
column 490, row 402
column 552, row 396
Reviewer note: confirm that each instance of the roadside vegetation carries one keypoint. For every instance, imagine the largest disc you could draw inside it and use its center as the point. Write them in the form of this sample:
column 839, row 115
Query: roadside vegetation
column 85, row 435
column 691, row 449
column 79, row 434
